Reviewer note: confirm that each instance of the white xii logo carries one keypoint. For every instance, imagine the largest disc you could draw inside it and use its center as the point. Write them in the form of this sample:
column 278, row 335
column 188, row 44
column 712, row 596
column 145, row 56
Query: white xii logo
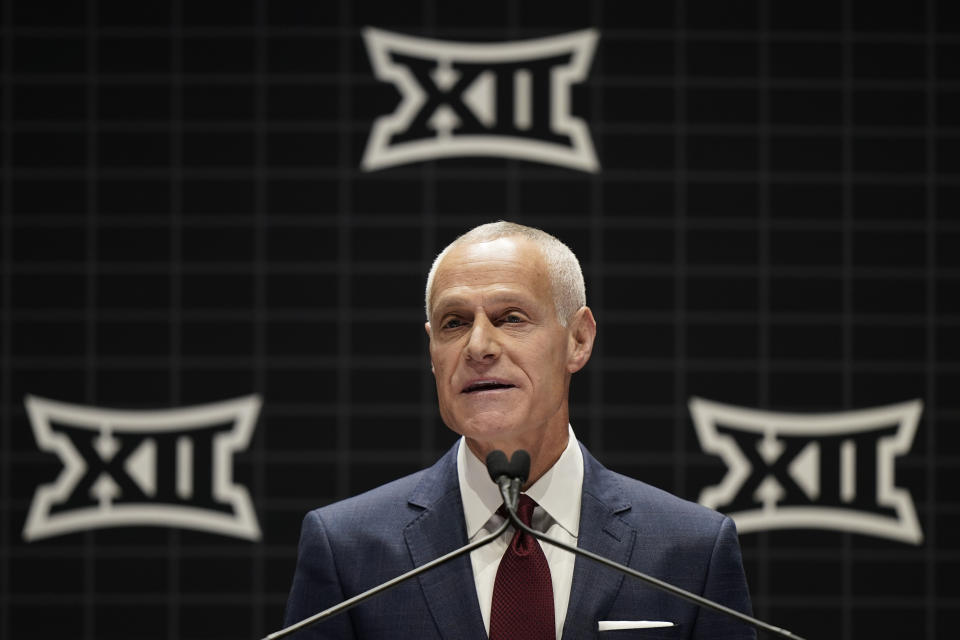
column 817, row 471
column 505, row 99
column 167, row 467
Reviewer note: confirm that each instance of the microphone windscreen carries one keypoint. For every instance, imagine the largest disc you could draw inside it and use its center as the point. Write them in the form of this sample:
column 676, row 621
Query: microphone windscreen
column 520, row 465
column 497, row 465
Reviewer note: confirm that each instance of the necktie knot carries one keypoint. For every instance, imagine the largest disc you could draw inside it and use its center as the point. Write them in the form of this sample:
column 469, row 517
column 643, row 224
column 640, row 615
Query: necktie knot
column 525, row 509
column 522, row 542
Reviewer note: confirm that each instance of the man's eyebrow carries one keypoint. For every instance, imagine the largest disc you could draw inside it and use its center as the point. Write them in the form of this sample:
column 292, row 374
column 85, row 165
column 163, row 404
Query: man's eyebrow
column 449, row 302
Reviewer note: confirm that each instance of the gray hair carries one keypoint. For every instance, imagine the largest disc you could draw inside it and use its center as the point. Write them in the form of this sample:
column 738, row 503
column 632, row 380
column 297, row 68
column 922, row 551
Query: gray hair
column 566, row 278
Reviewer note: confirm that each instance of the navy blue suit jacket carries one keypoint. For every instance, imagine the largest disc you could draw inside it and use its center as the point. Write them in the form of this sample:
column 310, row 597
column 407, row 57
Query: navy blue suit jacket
column 350, row 546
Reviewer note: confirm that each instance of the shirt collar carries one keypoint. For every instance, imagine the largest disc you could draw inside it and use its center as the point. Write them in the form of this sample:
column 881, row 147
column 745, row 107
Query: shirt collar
column 558, row 491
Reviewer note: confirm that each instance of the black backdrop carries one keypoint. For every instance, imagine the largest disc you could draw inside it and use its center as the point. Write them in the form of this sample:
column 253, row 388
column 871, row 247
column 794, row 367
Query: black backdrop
column 185, row 220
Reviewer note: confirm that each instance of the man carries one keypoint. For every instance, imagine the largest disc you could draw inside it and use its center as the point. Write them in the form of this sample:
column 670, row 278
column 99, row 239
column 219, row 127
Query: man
column 508, row 327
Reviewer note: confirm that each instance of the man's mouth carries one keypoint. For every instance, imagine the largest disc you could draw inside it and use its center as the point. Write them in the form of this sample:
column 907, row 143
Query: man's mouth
column 486, row 385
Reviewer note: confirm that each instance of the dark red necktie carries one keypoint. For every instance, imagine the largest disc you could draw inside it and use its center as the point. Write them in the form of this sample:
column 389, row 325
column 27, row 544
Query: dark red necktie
column 523, row 592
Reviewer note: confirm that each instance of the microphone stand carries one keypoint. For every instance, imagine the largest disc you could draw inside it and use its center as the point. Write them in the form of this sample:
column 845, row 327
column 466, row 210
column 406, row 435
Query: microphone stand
column 369, row 593
column 655, row 582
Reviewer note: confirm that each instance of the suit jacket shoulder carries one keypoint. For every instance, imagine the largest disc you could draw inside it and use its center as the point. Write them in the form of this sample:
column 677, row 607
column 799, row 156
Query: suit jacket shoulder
column 355, row 544
column 661, row 535
column 647, row 508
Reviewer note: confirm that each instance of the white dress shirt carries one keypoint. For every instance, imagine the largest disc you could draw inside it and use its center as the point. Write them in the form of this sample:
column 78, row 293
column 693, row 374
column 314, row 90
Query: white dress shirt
column 557, row 492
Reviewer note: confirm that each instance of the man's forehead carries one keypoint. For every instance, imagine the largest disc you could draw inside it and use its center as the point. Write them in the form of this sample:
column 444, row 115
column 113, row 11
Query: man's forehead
column 499, row 269
column 503, row 258
column 473, row 259
column 465, row 296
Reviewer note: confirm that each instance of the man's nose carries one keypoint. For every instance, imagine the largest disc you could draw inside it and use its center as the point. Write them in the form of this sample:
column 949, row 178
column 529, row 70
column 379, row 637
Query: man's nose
column 483, row 344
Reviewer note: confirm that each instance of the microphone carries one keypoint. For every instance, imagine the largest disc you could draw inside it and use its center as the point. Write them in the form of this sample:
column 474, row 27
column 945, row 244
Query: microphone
column 510, row 499
column 511, row 475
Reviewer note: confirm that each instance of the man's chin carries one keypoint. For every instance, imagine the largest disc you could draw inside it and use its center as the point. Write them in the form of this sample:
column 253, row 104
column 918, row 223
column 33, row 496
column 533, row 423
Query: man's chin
column 490, row 428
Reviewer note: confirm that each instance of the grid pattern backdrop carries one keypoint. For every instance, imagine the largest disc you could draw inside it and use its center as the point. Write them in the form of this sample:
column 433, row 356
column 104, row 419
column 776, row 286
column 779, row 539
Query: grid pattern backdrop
column 185, row 220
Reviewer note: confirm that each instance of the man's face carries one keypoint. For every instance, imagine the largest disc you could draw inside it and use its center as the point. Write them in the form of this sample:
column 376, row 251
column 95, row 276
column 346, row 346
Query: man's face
column 501, row 359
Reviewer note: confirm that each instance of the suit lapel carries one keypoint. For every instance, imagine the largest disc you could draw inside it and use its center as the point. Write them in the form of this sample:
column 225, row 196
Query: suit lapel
column 604, row 533
column 449, row 589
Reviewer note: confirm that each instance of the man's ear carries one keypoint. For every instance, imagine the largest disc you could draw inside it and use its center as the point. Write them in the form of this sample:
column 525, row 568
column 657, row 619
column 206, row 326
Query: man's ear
column 583, row 331
column 426, row 326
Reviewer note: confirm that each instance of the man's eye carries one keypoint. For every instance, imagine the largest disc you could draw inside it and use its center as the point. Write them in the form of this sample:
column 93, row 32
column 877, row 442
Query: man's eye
column 453, row 323
column 512, row 319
